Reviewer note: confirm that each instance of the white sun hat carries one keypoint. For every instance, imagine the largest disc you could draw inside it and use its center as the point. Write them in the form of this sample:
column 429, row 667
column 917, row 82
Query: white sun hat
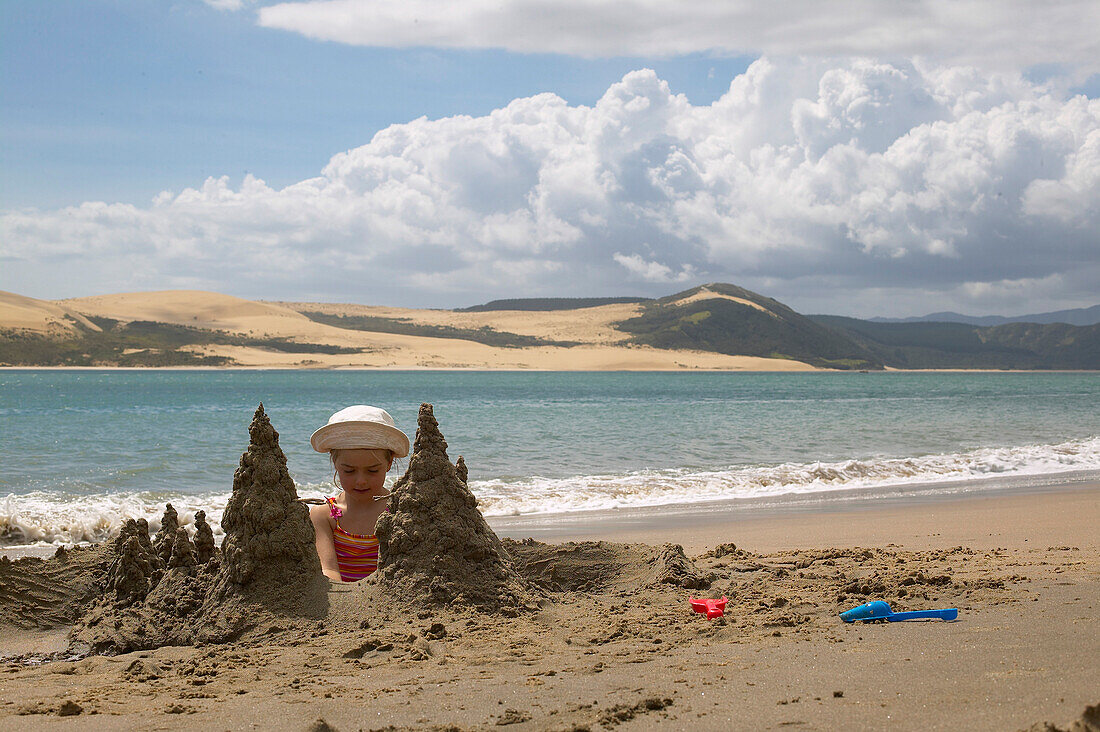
column 361, row 427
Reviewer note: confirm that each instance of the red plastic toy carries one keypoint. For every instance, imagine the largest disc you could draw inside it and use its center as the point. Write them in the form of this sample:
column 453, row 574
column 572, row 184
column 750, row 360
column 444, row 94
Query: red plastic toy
column 711, row 608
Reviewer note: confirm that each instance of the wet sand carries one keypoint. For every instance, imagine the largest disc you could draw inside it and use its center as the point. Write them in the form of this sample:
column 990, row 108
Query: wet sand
column 989, row 518
column 610, row 646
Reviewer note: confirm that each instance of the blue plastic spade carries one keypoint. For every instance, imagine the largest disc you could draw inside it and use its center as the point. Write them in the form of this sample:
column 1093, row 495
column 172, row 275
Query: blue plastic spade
column 879, row 610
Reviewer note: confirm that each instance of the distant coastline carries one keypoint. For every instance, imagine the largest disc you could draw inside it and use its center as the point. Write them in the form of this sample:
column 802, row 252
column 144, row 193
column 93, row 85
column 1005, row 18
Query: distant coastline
column 715, row 327
column 214, row 369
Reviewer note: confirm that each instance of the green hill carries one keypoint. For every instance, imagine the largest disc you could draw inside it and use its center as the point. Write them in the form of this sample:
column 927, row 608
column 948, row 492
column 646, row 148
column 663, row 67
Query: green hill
column 958, row 345
column 137, row 343
column 402, row 326
column 735, row 321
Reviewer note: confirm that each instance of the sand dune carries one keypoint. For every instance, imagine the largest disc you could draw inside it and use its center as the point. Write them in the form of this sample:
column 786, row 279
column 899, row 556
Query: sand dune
column 586, row 325
column 39, row 316
column 596, row 344
column 192, row 308
column 412, row 352
column 708, row 294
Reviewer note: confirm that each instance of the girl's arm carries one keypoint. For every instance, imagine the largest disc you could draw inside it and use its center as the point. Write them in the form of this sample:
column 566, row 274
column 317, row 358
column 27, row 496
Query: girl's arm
column 326, row 549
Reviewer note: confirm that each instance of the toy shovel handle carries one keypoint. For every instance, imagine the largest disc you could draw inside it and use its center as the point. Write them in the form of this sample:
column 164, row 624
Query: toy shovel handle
column 945, row 614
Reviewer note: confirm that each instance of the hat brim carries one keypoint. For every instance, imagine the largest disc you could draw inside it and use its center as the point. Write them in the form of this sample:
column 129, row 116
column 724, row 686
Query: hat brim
column 360, row 435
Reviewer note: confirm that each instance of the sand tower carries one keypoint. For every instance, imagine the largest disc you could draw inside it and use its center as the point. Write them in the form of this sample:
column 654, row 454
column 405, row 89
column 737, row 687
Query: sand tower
column 164, row 539
column 269, row 541
column 268, row 562
column 435, row 546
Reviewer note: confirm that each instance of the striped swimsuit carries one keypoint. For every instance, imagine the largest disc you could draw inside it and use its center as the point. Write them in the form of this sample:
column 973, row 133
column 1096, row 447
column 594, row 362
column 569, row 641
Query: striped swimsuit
column 356, row 554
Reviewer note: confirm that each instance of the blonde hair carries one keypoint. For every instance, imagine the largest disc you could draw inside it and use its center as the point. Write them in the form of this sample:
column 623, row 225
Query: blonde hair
column 334, row 454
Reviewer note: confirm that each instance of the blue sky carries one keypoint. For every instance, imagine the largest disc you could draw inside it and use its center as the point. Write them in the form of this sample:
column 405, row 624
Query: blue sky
column 118, row 101
column 893, row 159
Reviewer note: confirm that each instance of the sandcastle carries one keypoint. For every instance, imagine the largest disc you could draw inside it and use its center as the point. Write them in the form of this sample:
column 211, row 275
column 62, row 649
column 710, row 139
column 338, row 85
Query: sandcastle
column 434, row 545
column 172, row 590
column 435, row 549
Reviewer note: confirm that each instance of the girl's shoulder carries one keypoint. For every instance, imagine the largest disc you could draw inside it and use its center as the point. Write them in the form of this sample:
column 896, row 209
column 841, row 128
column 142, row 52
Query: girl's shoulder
column 334, row 507
column 327, row 511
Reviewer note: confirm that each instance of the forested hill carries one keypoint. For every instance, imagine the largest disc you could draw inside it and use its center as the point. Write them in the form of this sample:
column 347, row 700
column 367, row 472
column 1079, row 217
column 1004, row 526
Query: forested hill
column 1076, row 316
column 958, row 345
column 728, row 319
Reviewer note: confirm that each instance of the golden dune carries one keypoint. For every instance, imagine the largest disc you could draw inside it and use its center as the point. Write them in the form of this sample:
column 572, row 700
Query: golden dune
column 595, row 344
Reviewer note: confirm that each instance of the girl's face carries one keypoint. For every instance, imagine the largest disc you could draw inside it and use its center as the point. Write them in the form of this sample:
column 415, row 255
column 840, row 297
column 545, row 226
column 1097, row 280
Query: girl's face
column 362, row 472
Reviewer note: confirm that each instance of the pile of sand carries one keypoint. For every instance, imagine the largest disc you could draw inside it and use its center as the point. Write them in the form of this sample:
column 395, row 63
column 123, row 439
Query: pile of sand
column 38, row 593
column 434, row 545
column 173, row 591
column 603, row 566
column 1089, row 721
column 269, row 552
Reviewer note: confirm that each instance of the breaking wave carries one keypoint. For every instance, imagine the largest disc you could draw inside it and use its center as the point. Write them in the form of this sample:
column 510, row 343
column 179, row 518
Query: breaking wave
column 41, row 518
column 663, row 487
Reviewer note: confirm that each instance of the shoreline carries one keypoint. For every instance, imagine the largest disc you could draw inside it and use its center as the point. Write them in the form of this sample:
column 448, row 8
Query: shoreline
column 690, row 370
column 700, row 526
column 672, row 520
column 1058, row 514
column 681, row 370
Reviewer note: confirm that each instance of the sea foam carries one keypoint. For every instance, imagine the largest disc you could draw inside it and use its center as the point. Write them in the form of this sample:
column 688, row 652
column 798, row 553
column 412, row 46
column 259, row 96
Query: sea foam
column 664, row 487
column 42, row 518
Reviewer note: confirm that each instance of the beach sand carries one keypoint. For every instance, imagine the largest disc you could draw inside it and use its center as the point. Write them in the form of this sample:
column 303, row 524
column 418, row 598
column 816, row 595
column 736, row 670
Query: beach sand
column 585, row 626
column 607, row 650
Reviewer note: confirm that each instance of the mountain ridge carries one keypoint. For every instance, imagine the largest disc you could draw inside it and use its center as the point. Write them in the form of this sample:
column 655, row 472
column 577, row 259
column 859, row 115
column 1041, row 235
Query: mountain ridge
column 1074, row 316
column 939, row 345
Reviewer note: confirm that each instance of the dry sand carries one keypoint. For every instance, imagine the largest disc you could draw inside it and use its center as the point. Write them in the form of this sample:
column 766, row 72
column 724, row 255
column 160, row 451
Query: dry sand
column 596, row 633
column 611, row 648
column 599, row 346
column 25, row 314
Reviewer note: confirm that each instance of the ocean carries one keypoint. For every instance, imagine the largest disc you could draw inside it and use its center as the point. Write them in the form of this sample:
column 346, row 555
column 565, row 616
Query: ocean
column 81, row 451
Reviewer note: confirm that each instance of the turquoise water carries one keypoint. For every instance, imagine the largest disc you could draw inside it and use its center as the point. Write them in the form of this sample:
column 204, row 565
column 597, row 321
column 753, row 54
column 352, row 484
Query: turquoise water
column 81, row 449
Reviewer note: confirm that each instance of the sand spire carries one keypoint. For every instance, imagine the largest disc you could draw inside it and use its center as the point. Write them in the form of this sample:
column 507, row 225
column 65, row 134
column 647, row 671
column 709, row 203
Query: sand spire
column 183, row 551
column 166, row 537
column 205, row 548
column 268, row 534
column 435, row 545
column 132, row 576
column 268, row 563
column 137, row 567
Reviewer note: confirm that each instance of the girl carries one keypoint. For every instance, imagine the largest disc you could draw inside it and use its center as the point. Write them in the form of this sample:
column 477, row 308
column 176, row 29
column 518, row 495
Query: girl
column 362, row 442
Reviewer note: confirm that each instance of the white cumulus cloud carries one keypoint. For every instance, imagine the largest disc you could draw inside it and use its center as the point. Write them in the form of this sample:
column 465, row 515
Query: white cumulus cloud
column 1003, row 33
column 652, row 271
column 851, row 186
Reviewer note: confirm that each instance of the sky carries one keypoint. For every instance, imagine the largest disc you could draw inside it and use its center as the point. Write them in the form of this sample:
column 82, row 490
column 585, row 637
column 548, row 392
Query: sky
column 865, row 158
